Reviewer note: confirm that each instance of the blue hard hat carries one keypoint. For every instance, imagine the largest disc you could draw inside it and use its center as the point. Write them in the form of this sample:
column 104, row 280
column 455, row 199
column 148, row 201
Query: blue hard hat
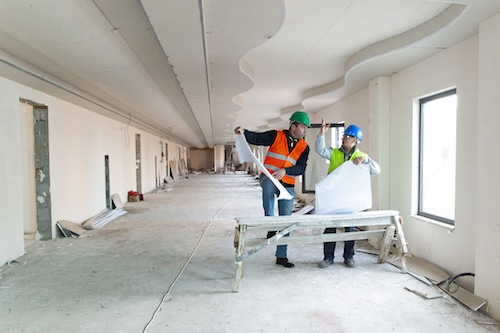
column 355, row 131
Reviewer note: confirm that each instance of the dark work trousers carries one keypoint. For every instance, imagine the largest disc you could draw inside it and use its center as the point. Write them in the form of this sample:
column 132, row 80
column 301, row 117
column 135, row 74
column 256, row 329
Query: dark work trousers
column 329, row 247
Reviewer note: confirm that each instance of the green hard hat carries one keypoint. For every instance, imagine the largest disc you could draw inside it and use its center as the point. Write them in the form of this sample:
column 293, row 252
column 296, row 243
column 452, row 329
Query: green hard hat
column 300, row 117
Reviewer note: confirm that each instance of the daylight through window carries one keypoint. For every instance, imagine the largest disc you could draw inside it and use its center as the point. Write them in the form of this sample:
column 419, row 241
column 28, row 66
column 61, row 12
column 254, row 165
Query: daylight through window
column 438, row 123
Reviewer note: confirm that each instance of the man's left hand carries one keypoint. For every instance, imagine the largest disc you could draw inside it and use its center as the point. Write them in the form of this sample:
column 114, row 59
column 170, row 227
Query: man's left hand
column 358, row 160
column 278, row 174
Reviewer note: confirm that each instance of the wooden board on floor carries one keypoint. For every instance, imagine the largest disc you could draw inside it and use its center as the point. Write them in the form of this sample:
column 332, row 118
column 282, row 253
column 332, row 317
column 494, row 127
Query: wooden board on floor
column 73, row 227
column 465, row 297
column 423, row 267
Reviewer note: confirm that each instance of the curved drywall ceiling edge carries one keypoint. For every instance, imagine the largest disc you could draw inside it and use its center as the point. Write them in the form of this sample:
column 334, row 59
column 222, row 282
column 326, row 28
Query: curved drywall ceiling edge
column 286, row 112
column 417, row 34
column 247, row 70
column 245, row 67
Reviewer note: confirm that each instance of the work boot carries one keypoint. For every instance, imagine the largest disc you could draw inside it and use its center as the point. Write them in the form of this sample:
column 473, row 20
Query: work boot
column 350, row 263
column 325, row 263
column 284, row 262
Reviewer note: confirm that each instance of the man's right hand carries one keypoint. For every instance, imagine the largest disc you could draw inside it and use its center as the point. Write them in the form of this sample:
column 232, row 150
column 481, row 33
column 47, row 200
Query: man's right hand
column 238, row 130
column 324, row 127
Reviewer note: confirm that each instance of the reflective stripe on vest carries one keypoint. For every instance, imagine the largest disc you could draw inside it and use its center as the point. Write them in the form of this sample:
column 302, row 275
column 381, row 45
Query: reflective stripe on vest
column 278, row 156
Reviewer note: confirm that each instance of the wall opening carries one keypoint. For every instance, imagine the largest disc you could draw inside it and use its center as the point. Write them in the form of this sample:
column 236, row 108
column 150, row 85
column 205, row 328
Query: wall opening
column 138, row 178
column 109, row 202
column 38, row 208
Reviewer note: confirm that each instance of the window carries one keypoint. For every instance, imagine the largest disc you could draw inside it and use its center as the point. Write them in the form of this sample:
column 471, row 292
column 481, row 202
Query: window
column 438, row 124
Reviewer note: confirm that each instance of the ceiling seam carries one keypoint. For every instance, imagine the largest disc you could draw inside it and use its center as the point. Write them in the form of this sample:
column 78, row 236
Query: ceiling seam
column 207, row 71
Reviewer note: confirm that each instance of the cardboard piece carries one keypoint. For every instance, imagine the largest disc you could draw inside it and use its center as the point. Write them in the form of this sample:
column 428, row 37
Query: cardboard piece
column 63, row 232
column 70, row 229
column 133, row 198
column 72, row 226
column 117, row 201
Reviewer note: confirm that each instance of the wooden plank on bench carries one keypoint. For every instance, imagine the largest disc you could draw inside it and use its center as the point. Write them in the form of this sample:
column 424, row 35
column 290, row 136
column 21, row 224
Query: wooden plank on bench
column 320, row 238
column 318, row 221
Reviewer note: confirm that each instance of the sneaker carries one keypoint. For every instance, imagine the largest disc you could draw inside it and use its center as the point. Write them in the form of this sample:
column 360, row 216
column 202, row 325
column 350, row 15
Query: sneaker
column 284, row 262
column 349, row 263
column 325, row 263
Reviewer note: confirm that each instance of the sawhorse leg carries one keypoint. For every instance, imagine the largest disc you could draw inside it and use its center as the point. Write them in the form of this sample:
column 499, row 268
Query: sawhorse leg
column 240, row 250
column 386, row 243
column 401, row 241
column 239, row 242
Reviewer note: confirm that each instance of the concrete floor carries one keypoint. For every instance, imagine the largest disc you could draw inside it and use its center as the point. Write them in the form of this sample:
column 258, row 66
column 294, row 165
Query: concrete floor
column 168, row 266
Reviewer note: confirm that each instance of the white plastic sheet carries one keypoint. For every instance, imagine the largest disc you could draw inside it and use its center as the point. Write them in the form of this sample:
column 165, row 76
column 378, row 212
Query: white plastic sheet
column 245, row 155
column 345, row 190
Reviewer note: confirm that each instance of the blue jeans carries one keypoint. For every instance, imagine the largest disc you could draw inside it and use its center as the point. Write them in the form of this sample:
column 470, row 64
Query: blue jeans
column 329, row 247
column 269, row 191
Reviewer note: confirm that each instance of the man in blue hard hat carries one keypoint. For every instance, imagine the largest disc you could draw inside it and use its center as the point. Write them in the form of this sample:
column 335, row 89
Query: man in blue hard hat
column 349, row 151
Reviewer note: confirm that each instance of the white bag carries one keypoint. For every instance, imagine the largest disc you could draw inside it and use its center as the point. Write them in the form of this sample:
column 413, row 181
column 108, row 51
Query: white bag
column 345, row 190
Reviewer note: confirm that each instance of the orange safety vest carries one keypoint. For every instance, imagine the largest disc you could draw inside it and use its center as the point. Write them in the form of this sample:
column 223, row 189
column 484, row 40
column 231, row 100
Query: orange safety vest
column 278, row 156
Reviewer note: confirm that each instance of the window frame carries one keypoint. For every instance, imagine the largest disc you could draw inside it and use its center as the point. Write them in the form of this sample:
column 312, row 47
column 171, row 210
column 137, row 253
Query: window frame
column 420, row 210
column 310, row 178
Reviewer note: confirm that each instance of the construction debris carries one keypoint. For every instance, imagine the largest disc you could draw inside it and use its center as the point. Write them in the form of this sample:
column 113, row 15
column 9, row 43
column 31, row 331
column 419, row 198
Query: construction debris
column 465, row 297
column 435, row 278
column 431, row 294
column 423, row 269
column 103, row 218
column 70, row 229
column 304, row 210
column 73, row 229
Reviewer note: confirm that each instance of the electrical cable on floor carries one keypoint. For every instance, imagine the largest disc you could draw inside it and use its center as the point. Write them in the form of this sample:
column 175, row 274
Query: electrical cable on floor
column 185, row 265
column 452, row 280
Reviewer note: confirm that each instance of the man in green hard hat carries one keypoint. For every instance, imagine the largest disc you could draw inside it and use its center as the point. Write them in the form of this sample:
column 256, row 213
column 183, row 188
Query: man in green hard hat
column 285, row 160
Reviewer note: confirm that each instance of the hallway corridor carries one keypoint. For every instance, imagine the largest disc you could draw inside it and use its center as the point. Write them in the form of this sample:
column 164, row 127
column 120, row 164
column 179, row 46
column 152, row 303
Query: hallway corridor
column 168, row 266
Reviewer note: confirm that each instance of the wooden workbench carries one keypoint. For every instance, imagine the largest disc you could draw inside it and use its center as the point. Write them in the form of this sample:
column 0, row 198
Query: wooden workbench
column 387, row 223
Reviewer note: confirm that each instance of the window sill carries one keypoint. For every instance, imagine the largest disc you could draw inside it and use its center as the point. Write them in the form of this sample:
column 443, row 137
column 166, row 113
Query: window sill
column 431, row 221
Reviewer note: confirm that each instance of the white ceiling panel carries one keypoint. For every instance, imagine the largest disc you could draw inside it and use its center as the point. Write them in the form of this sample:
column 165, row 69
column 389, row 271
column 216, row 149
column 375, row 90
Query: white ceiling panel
column 192, row 70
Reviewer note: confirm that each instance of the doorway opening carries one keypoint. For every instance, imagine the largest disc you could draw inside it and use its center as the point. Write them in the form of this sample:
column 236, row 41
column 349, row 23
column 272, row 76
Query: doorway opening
column 35, row 141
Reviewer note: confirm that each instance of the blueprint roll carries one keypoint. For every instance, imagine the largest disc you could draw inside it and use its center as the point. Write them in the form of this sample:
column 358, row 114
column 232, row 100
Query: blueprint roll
column 345, row 190
column 245, row 155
